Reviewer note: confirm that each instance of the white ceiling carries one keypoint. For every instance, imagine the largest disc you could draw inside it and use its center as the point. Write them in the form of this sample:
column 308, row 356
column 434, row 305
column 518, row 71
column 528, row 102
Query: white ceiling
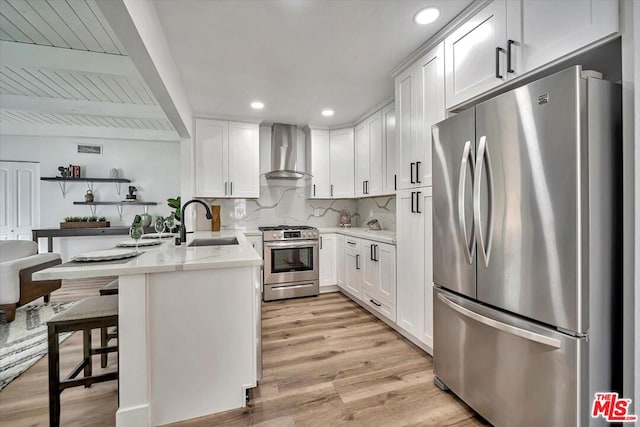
column 63, row 71
column 296, row 56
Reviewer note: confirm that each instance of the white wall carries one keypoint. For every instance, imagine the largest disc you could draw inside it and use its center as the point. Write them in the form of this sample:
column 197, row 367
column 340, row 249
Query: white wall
column 153, row 167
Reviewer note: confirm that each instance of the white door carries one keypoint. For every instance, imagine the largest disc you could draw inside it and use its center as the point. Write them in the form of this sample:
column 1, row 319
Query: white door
column 327, row 259
column 244, row 160
column 376, row 155
column 426, row 205
column 342, row 163
column 340, row 262
column 474, row 62
column 320, row 163
column 410, row 263
column 353, row 265
column 361, row 132
column 20, row 195
column 211, row 158
column 389, row 143
column 405, row 127
column 370, row 268
column 431, row 110
column 541, row 31
column 385, row 256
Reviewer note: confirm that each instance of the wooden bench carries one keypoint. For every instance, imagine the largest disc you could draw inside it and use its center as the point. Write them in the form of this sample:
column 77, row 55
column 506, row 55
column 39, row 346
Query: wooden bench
column 91, row 313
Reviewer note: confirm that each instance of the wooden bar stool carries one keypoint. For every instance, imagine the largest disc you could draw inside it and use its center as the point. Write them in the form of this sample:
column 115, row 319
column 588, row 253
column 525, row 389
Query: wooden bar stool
column 91, row 313
column 107, row 334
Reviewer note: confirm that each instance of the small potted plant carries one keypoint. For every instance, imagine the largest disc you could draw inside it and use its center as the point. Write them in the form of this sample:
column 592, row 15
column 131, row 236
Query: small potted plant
column 84, row 222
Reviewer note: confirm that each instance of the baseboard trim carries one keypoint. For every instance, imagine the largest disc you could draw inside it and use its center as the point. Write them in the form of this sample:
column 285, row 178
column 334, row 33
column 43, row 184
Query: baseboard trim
column 328, row 289
column 133, row 416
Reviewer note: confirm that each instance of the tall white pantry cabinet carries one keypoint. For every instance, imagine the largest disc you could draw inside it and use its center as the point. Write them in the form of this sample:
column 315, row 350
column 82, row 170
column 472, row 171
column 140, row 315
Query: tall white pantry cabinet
column 420, row 104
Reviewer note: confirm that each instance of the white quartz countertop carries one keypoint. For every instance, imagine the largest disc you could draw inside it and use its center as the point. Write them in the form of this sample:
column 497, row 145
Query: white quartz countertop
column 383, row 236
column 167, row 258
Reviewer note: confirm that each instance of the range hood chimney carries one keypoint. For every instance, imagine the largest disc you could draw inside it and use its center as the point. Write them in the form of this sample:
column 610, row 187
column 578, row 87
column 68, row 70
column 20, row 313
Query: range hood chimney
column 284, row 144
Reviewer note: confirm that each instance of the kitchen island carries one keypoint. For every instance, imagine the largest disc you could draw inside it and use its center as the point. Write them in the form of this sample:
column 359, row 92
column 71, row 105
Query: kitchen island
column 189, row 327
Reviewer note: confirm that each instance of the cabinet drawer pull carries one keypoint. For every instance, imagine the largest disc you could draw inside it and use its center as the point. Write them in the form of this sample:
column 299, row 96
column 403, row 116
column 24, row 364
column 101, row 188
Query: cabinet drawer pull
column 509, row 44
column 377, row 304
column 498, row 50
column 351, row 243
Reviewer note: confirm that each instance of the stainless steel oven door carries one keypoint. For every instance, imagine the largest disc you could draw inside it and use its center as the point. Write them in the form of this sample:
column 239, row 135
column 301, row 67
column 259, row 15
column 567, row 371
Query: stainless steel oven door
column 291, row 261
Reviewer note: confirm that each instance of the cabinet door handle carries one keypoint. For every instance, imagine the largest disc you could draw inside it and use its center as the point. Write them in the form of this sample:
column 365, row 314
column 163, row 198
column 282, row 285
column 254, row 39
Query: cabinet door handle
column 225, row 188
column 395, row 182
column 231, row 188
column 377, row 304
column 371, row 256
column 418, row 193
column 320, row 242
column 364, row 187
column 314, row 190
column 413, row 209
column 509, row 44
column 331, row 190
column 418, row 173
column 498, row 50
column 358, row 262
column 377, row 253
column 412, row 180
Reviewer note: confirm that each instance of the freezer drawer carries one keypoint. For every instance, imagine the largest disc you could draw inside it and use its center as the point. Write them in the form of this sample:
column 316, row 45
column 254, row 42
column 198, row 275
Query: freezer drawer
column 512, row 372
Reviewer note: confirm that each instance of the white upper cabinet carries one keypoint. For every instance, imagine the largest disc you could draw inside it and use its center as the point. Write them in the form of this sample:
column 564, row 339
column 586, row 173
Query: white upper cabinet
column 226, row 159
column 319, row 150
column 419, row 105
column 363, row 170
column 474, row 57
column 211, row 159
column 370, row 156
column 540, row 31
column 389, row 143
column 506, row 39
column 376, row 154
column 342, row 163
column 244, row 160
column 331, row 161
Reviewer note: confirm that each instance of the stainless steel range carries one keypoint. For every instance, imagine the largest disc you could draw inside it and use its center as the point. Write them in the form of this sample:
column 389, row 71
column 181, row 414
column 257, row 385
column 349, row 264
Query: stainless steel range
column 290, row 262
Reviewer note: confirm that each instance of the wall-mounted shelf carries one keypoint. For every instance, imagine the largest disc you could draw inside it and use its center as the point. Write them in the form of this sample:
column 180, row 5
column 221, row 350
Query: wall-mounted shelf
column 118, row 205
column 62, row 182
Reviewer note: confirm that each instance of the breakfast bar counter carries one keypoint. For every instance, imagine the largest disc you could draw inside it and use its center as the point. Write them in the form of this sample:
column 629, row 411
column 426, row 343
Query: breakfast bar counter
column 189, row 320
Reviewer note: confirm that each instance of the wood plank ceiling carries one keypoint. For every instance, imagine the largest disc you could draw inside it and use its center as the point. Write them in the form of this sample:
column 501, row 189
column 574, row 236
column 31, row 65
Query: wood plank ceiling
column 64, row 72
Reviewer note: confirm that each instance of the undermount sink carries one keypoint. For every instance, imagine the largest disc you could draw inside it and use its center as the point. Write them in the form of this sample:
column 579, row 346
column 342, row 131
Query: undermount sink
column 216, row 241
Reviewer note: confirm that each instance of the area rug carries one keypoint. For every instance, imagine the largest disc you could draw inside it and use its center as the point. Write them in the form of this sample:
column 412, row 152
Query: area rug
column 24, row 341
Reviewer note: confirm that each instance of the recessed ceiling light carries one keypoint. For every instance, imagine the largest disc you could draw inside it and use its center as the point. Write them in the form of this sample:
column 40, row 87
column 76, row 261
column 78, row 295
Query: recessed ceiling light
column 256, row 105
column 327, row 113
column 426, row 16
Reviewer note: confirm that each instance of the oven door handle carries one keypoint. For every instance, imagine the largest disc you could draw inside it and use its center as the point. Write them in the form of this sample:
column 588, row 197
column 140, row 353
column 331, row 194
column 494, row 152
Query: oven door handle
column 306, row 285
column 291, row 244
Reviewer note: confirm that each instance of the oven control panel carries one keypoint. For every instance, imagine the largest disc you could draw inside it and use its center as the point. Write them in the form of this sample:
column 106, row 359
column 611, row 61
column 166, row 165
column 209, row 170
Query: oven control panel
column 290, row 235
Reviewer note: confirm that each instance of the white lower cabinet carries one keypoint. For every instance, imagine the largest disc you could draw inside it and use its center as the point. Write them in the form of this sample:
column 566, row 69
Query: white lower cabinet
column 353, row 266
column 327, row 260
column 379, row 277
column 415, row 265
column 341, row 273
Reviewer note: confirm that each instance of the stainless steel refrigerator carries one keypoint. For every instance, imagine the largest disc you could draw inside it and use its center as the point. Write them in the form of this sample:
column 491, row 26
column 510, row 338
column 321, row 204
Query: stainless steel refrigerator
column 524, row 250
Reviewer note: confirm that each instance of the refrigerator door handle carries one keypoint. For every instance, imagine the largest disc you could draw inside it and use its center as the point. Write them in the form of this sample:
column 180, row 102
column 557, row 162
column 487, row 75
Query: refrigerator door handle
column 467, row 162
column 522, row 333
column 482, row 157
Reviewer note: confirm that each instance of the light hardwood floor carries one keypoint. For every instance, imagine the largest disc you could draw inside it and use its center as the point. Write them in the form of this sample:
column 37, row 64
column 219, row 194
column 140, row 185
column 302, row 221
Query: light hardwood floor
column 326, row 360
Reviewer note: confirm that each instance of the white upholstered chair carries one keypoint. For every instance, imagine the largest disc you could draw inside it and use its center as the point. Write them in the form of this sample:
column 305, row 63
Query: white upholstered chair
column 19, row 259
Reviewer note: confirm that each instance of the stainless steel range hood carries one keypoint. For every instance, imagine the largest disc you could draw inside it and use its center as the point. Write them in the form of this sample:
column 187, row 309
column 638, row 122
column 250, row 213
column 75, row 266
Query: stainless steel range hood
column 284, row 142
